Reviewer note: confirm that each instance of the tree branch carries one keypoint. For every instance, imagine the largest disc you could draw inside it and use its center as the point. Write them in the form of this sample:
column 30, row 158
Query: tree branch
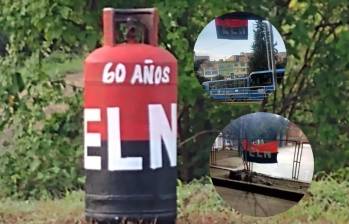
column 197, row 135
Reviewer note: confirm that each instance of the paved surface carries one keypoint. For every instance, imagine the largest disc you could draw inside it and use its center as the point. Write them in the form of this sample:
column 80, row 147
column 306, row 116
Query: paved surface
column 283, row 169
column 228, row 158
column 257, row 204
column 254, row 204
column 250, row 203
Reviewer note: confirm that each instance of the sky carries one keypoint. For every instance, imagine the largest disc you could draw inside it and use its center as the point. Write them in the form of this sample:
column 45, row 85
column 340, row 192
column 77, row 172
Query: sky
column 207, row 43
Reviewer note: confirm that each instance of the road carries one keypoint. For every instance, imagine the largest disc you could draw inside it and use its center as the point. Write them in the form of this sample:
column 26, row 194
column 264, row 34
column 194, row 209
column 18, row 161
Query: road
column 254, row 204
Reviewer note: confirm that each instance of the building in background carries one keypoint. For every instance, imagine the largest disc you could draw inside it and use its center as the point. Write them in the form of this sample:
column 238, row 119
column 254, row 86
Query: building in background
column 235, row 66
column 240, row 64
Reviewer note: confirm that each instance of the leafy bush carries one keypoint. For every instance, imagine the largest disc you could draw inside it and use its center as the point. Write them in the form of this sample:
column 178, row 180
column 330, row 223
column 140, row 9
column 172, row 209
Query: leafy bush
column 3, row 43
column 199, row 195
column 45, row 154
column 45, row 162
column 328, row 199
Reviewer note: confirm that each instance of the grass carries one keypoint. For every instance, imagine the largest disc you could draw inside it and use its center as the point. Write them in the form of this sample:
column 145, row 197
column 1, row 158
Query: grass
column 58, row 64
column 66, row 210
column 328, row 202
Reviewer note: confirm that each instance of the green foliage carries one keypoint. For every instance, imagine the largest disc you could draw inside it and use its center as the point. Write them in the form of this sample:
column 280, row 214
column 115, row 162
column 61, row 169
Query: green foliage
column 199, row 195
column 45, row 162
column 314, row 93
column 47, row 25
column 329, row 199
column 3, row 43
column 44, row 157
column 259, row 61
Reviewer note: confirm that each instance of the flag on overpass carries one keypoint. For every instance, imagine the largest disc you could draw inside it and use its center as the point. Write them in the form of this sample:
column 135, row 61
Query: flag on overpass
column 232, row 29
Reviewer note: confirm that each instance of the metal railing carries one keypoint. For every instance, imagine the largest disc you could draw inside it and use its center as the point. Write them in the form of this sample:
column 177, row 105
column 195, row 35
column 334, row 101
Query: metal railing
column 297, row 155
column 241, row 93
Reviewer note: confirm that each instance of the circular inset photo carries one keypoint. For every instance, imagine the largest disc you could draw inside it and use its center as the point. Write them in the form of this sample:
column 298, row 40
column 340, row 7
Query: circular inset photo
column 261, row 164
column 239, row 57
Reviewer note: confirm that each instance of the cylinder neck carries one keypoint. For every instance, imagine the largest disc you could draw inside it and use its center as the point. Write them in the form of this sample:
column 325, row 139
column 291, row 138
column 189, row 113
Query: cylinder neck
column 141, row 26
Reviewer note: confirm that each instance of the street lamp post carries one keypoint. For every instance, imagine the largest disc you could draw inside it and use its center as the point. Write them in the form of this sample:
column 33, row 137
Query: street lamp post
column 272, row 54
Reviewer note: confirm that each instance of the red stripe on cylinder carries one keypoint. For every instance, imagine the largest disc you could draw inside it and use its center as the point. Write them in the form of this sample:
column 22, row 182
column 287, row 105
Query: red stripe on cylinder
column 131, row 99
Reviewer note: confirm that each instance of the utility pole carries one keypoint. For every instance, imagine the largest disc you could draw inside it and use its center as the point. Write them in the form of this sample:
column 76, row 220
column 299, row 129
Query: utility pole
column 272, row 54
column 267, row 42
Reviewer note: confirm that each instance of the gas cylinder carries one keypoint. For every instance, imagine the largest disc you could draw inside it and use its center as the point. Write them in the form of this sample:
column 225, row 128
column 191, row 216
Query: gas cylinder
column 130, row 121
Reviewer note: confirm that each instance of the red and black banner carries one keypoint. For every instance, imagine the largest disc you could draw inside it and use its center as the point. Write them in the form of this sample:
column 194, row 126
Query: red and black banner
column 260, row 153
column 232, row 29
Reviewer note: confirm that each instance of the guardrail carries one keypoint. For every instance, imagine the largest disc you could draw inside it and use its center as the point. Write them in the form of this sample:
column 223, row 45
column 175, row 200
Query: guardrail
column 241, row 93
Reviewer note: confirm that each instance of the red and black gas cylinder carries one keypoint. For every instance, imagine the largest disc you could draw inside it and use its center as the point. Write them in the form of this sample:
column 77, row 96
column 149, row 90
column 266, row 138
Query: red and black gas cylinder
column 130, row 122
